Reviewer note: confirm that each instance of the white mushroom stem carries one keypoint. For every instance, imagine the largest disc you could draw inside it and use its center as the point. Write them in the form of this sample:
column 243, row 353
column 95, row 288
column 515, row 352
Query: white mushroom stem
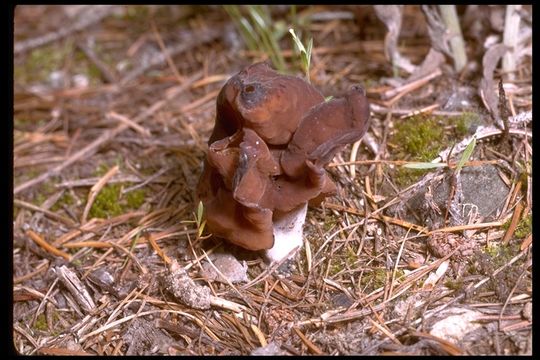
column 288, row 231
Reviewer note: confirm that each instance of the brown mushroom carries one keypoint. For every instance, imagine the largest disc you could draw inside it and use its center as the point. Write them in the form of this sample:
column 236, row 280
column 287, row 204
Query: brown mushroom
column 272, row 138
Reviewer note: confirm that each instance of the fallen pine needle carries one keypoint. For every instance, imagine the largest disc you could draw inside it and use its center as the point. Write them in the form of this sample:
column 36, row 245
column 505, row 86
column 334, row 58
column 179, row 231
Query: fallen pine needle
column 46, row 246
column 446, row 345
column 125, row 120
column 92, row 244
column 94, row 191
column 127, row 318
column 513, row 224
column 311, row 346
column 41, row 267
column 389, row 219
column 467, row 227
column 62, row 351
column 385, row 331
column 210, row 79
column 526, row 243
column 158, row 250
column 518, row 326
column 51, row 214
column 260, row 335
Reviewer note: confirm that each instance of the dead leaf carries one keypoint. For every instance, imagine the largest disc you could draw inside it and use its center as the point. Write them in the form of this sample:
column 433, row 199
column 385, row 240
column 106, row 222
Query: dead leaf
column 437, row 30
column 432, row 62
column 391, row 16
column 487, row 88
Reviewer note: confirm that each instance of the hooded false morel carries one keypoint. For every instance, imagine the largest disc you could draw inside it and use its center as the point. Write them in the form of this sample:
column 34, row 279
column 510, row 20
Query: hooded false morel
column 272, row 137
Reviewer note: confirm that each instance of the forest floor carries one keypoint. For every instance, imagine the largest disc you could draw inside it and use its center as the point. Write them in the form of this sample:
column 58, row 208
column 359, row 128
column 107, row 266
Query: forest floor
column 113, row 107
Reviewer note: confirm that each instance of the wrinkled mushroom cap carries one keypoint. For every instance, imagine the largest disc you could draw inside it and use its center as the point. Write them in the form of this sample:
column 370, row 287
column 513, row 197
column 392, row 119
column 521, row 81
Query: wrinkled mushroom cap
column 261, row 99
column 272, row 138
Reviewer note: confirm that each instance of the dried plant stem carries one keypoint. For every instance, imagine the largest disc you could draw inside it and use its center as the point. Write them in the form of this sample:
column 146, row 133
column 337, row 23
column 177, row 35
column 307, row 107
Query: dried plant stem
column 511, row 38
column 72, row 282
column 450, row 18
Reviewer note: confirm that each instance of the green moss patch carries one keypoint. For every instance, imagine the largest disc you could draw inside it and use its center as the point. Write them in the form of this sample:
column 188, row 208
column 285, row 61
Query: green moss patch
column 464, row 122
column 110, row 202
column 40, row 63
column 374, row 279
column 41, row 323
column 66, row 199
column 421, row 137
column 501, row 254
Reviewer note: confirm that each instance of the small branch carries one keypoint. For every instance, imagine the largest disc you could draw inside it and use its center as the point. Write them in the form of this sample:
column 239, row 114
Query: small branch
column 75, row 287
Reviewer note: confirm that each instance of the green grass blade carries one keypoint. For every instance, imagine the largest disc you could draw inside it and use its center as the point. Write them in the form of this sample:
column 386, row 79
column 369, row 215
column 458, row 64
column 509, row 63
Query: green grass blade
column 305, row 55
column 466, row 154
column 424, row 165
column 200, row 211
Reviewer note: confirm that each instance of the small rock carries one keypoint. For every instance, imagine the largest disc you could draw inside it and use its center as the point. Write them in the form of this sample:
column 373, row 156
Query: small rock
column 143, row 338
column 341, row 300
column 482, row 190
column 527, row 311
column 80, row 81
column 270, row 349
column 456, row 325
column 408, row 307
column 58, row 79
column 228, row 265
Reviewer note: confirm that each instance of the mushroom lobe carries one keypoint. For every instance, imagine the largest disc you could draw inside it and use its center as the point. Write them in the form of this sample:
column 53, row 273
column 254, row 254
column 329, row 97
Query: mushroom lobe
column 325, row 129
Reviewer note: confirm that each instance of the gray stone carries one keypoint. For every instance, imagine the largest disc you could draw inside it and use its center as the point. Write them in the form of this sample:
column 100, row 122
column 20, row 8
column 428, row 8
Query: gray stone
column 482, row 189
column 234, row 270
column 269, row 350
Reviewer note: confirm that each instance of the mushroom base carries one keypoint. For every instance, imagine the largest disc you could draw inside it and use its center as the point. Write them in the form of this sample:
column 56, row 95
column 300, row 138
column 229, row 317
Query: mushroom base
column 288, row 231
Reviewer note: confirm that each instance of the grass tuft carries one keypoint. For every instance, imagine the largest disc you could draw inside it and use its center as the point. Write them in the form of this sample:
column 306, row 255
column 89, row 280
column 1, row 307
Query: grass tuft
column 259, row 31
